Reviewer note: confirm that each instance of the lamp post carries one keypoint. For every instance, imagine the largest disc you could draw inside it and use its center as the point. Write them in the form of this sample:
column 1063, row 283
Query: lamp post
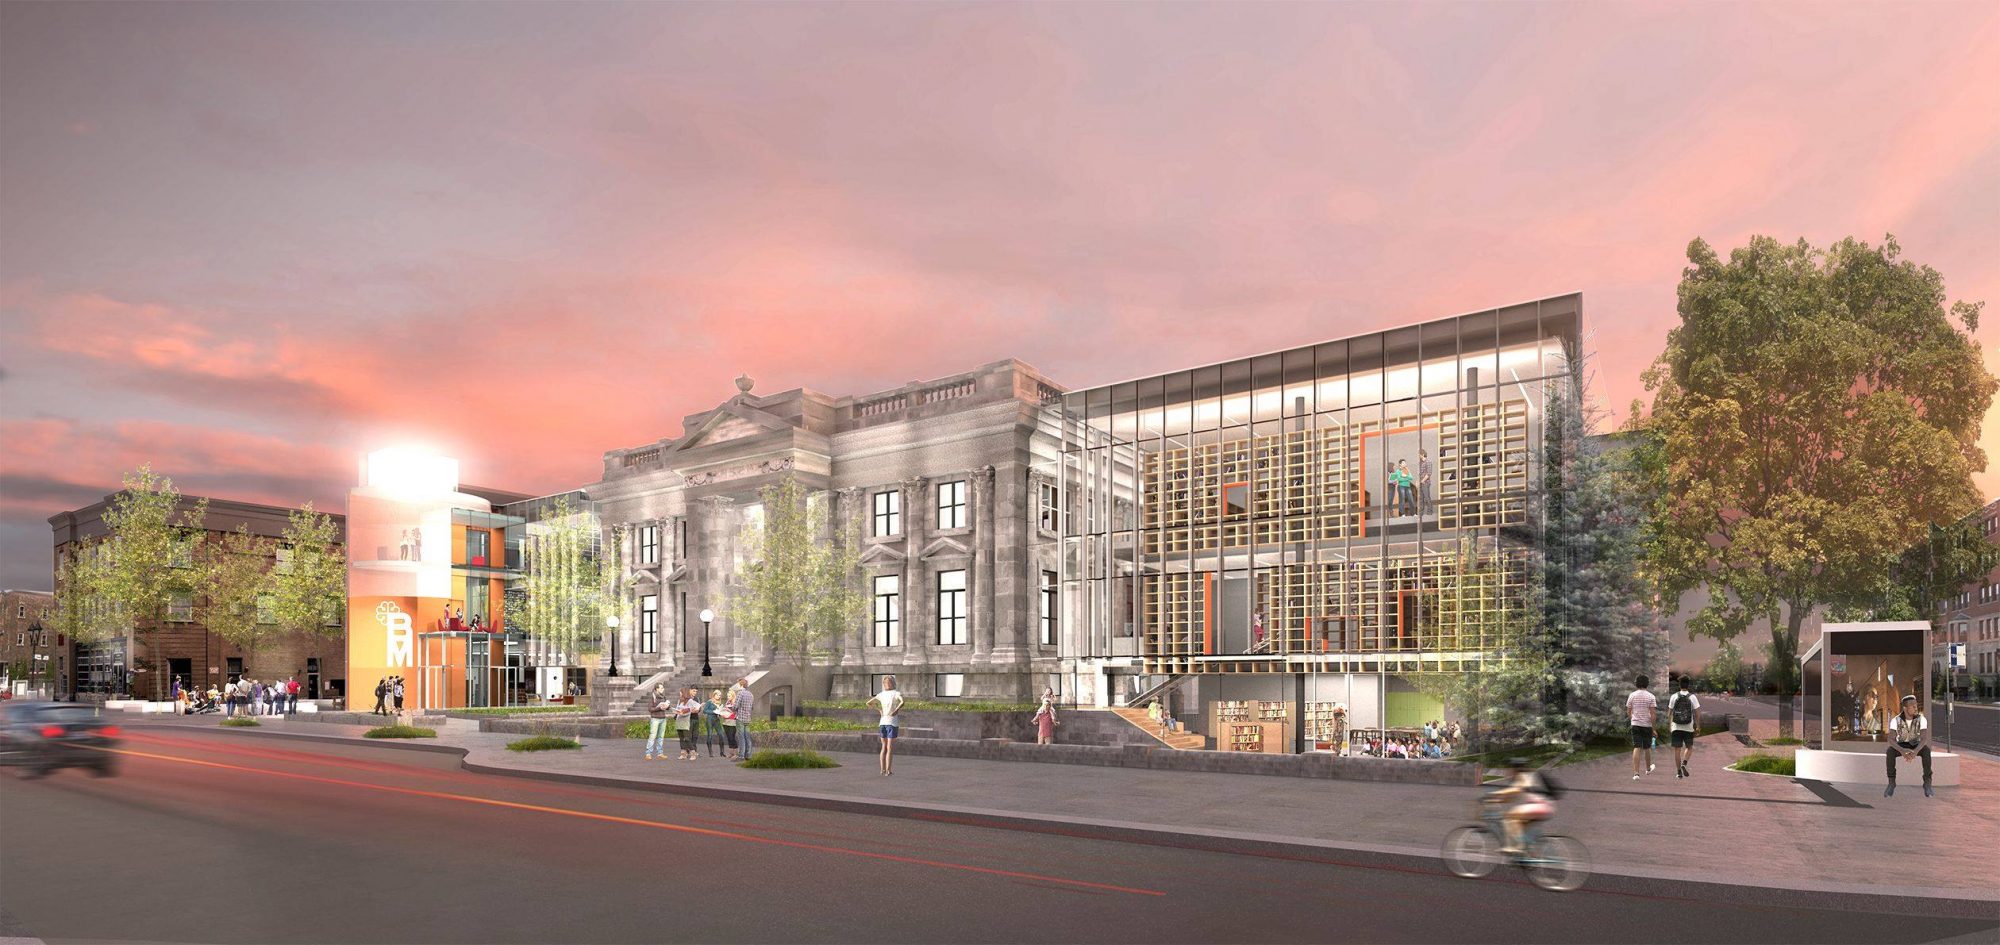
column 707, row 617
column 611, row 622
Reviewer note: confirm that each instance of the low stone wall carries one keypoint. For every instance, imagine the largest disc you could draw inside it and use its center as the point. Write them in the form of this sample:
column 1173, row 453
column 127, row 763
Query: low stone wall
column 1315, row 765
column 935, row 723
column 558, row 724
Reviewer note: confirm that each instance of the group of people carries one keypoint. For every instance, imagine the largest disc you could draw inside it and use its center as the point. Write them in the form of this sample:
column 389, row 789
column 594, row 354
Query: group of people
column 1410, row 495
column 388, row 692
column 722, row 721
column 1396, row 747
column 244, row 695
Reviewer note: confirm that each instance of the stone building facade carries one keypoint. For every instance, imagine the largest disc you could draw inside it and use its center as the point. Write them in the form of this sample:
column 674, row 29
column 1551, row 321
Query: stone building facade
column 937, row 474
column 148, row 658
column 1972, row 617
column 26, row 633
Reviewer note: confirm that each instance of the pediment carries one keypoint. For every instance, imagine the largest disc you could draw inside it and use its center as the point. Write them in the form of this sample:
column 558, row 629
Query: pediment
column 880, row 553
column 645, row 575
column 734, row 420
column 946, row 547
column 677, row 575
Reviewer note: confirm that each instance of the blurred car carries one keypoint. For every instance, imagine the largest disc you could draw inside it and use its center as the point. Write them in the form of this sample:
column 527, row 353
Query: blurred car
column 37, row 738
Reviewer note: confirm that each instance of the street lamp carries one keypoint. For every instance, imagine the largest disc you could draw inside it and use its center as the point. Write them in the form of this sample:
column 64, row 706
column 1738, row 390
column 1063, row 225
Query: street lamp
column 707, row 617
column 611, row 622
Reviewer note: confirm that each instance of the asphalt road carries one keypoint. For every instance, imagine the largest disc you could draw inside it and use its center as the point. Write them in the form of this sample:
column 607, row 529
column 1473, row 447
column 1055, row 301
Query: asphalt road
column 214, row 837
column 1972, row 726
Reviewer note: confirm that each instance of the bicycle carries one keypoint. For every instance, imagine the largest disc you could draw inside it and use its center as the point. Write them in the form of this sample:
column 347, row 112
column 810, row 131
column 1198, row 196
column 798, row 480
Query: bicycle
column 1552, row 861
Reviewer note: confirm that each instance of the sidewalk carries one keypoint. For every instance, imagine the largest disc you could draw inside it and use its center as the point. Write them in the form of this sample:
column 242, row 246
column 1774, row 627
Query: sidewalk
column 1717, row 827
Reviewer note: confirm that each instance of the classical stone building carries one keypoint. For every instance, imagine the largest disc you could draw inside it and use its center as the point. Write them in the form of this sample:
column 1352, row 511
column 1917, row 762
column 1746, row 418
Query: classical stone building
column 958, row 560
column 145, row 659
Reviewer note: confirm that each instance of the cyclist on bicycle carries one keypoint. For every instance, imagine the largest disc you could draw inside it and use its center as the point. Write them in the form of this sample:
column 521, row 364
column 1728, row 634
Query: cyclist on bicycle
column 1523, row 788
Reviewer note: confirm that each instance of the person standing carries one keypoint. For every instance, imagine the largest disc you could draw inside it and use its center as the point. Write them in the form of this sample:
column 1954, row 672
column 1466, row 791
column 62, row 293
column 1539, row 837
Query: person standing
column 685, row 712
column 891, row 702
column 397, row 690
column 656, row 725
column 711, row 722
column 1640, row 708
column 727, row 712
column 1912, row 734
column 1684, row 719
column 403, row 549
column 1045, row 721
column 746, row 710
column 1423, row 482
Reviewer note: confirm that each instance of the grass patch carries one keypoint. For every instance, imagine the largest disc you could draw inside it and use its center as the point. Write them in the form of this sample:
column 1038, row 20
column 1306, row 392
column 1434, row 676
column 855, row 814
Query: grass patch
column 400, row 731
column 241, row 723
column 1784, row 740
column 1761, row 763
column 543, row 743
column 523, row 710
column 954, row 705
column 788, row 760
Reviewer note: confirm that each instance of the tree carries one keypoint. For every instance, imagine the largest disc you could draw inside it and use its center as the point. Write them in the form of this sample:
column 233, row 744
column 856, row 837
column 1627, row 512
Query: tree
column 804, row 590
column 148, row 557
column 235, row 589
column 1936, row 568
column 1590, row 519
column 1815, row 410
column 567, row 585
column 309, row 583
column 1724, row 671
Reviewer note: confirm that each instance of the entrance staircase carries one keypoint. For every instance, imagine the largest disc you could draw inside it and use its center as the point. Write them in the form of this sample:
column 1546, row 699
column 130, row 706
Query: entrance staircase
column 638, row 699
column 1179, row 741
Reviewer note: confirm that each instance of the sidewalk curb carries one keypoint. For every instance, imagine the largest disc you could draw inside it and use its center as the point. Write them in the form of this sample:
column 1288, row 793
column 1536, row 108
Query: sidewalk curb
column 1613, row 880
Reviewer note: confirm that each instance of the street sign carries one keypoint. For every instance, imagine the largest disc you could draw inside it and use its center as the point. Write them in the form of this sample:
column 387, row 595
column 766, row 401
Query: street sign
column 1957, row 660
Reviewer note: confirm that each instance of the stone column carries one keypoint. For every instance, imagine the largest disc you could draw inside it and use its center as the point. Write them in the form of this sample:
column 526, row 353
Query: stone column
column 714, row 564
column 984, row 619
column 1017, row 580
column 847, row 519
column 920, row 599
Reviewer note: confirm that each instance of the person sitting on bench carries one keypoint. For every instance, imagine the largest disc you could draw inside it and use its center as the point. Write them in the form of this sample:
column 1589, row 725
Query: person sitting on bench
column 1912, row 734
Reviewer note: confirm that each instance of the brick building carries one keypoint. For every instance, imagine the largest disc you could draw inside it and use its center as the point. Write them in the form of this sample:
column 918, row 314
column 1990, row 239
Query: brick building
column 1973, row 618
column 24, row 635
column 145, row 659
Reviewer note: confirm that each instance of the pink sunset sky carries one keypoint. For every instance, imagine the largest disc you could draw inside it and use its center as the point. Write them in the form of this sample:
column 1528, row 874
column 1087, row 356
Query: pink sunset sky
column 246, row 242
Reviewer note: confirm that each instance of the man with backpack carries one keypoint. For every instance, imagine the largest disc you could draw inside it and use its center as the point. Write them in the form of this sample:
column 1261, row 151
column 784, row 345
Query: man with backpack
column 1684, row 715
column 381, row 692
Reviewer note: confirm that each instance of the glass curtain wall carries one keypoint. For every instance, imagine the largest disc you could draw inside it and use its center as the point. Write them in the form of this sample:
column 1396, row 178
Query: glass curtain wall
column 1344, row 506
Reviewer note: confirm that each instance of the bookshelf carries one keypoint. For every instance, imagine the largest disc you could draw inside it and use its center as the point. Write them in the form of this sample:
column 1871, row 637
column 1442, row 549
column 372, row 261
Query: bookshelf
column 1325, row 724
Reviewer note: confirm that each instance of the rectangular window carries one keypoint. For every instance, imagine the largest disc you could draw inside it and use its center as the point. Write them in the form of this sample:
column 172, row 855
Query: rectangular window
column 951, row 607
column 265, row 613
column 180, row 608
column 888, row 619
column 950, row 685
column 21, row 612
column 180, row 554
column 649, row 545
column 284, row 564
column 1048, row 608
column 478, row 544
column 888, row 513
column 951, row 504
column 1051, row 508
column 681, row 545
column 649, row 621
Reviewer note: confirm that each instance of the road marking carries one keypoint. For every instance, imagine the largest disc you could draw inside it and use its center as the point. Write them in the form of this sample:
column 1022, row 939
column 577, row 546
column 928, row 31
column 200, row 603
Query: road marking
column 636, row 822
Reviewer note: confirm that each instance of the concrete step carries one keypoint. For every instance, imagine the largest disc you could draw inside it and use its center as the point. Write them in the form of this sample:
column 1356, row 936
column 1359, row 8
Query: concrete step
column 1181, row 741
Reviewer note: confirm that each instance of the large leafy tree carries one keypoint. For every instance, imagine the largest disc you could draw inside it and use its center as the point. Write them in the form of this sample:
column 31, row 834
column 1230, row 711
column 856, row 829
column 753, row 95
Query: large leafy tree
column 1815, row 411
column 804, row 589
column 310, row 584
column 1934, row 569
column 148, row 556
column 234, row 589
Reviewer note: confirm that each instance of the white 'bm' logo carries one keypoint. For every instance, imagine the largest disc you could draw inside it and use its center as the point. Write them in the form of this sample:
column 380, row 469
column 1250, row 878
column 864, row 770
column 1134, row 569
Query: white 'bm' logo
column 401, row 637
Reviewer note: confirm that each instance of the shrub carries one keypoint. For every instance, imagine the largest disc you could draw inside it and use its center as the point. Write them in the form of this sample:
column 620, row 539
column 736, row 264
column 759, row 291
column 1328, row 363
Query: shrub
column 788, row 759
column 809, row 723
column 400, row 731
column 638, row 728
column 1761, row 763
column 543, row 743
column 240, row 722
column 1784, row 740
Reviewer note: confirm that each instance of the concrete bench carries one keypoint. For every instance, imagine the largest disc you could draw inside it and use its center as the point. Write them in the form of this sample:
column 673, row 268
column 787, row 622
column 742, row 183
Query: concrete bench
column 1865, row 767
